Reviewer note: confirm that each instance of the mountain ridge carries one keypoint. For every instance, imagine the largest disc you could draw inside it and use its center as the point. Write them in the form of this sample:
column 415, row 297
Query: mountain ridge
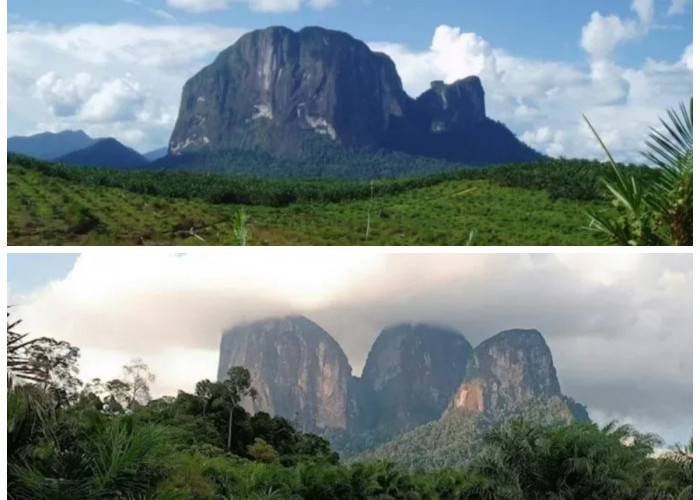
column 302, row 94
column 107, row 152
column 49, row 145
column 414, row 376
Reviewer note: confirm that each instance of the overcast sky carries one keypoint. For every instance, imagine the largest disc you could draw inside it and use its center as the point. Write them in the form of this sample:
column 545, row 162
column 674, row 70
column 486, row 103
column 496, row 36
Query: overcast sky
column 619, row 326
column 117, row 67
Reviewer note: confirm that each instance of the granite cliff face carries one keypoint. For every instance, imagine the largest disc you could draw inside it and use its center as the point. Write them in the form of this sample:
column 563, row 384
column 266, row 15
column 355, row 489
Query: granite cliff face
column 457, row 107
column 275, row 89
column 415, row 374
column 508, row 370
column 299, row 371
column 290, row 93
column 411, row 373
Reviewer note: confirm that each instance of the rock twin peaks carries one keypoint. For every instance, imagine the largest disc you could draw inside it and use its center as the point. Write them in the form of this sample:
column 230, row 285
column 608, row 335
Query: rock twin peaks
column 413, row 374
column 292, row 93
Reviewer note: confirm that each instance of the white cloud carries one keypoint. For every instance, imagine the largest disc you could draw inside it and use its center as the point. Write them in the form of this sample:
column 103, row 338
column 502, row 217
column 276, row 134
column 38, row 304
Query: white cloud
column 619, row 327
column 528, row 95
column 601, row 36
column 677, row 7
column 116, row 100
column 688, row 57
column 64, row 96
column 120, row 80
column 534, row 96
column 273, row 6
column 167, row 16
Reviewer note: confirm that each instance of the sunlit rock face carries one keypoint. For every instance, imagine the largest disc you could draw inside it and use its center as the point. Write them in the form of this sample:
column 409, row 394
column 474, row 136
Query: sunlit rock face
column 411, row 373
column 508, row 370
column 299, row 371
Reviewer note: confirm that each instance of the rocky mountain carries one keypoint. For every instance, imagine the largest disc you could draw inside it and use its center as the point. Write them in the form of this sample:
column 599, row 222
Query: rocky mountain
column 293, row 94
column 507, row 370
column 411, row 374
column 510, row 375
column 299, row 370
column 107, row 152
column 49, row 145
column 155, row 154
column 421, row 385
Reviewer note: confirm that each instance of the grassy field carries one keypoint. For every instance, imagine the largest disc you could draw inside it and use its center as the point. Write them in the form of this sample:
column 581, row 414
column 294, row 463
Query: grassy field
column 49, row 210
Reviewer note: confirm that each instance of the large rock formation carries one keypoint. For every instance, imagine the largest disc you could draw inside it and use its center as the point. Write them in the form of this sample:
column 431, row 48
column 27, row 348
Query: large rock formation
column 295, row 93
column 510, row 375
column 457, row 107
column 412, row 372
column 299, row 371
column 417, row 376
column 506, row 371
column 275, row 88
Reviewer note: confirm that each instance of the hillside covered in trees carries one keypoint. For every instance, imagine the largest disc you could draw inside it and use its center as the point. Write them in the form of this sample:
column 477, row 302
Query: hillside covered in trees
column 111, row 440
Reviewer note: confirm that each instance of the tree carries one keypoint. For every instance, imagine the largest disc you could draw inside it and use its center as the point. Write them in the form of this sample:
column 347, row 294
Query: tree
column 237, row 386
column 662, row 213
column 204, row 390
column 118, row 396
column 261, row 451
column 51, row 363
column 523, row 461
column 19, row 363
column 138, row 377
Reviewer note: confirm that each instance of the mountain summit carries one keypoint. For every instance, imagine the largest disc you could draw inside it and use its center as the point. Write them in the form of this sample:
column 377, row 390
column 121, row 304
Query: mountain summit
column 417, row 376
column 292, row 94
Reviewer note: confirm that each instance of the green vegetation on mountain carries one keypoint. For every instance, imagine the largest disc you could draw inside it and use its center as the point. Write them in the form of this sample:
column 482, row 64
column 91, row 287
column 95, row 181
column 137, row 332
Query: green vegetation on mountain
column 109, row 440
column 535, row 204
column 441, row 443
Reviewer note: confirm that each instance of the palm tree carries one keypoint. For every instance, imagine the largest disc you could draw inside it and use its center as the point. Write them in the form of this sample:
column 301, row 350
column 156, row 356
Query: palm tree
column 662, row 213
column 525, row 461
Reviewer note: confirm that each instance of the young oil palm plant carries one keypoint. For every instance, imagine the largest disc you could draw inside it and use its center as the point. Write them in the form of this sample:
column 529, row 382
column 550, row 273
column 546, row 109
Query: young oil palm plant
column 662, row 213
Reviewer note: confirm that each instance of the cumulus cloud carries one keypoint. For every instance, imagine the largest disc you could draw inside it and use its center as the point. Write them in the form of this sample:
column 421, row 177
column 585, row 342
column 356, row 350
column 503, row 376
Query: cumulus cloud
column 54, row 71
column 601, row 36
column 542, row 101
column 255, row 5
column 619, row 326
column 120, row 80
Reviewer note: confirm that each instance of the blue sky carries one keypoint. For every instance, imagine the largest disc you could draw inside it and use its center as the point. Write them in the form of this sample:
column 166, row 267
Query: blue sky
column 547, row 29
column 68, row 68
column 610, row 321
column 29, row 272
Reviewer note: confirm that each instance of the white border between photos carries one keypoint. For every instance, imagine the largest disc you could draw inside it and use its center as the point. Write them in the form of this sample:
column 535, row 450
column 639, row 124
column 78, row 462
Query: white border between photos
column 321, row 251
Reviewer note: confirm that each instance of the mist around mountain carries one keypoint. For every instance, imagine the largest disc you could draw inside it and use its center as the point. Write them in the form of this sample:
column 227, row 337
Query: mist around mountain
column 422, row 386
column 110, row 439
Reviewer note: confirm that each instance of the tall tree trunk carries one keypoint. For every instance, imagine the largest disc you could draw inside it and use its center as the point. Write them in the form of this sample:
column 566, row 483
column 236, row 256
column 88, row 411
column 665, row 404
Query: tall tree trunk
column 230, row 425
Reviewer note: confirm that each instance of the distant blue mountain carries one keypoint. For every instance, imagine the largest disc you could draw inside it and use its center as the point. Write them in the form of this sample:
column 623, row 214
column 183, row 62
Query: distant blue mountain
column 156, row 154
column 107, row 152
column 49, row 145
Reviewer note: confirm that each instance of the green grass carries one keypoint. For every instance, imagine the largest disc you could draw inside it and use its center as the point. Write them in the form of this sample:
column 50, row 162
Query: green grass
column 50, row 210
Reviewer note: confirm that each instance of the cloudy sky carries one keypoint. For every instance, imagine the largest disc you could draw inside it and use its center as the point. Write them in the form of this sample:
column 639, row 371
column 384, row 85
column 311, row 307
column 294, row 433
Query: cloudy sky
column 116, row 67
column 619, row 326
